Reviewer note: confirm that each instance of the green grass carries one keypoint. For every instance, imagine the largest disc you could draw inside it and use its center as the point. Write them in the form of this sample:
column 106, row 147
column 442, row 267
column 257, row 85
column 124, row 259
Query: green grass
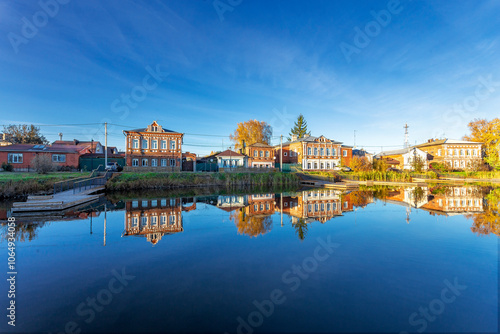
column 55, row 176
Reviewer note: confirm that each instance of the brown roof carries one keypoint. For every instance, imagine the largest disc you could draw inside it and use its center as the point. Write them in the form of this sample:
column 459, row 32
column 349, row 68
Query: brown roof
column 260, row 145
column 228, row 153
column 42, row 148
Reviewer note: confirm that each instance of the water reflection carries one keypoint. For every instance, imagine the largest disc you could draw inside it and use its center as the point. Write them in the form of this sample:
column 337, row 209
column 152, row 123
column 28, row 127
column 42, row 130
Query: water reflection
column 153, row 218
column 252, row 214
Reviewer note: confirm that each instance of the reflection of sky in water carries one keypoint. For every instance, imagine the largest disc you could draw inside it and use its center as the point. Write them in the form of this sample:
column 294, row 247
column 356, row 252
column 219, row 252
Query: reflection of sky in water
column 200, row 266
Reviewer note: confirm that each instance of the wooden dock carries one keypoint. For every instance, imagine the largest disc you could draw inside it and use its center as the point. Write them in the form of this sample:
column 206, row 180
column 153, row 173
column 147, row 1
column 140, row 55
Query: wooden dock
column 330, row 185
column 57, row 202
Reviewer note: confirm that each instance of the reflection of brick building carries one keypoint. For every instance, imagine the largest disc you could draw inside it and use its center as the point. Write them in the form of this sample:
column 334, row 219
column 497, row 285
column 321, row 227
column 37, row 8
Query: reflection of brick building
column 319, row 205
column 456, row 200
column 153, row 218
column 260, row 204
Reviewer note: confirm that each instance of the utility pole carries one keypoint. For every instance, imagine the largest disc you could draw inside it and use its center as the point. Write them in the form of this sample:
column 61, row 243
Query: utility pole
column 105, row 145
column 354, row 138
column 406, row 136
column 281, row 153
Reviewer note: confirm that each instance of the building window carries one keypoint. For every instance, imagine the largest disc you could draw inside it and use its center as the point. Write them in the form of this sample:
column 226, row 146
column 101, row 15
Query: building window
column 456, row 152
column 334, row 151
column 439, row 153
column 254, row 153
column 154, row 220
column 135, row 222
column 462, row 152
column 322, row 151
column 327, row 151
column 172, row 144
column 267, row 154
column 283, row 154
column 58, row 157
column 164, row 162
column 261, row 153
column 15, row 158
column 345, row 153
column 144, row 162
column 172, row 162
column 144, row 221
column 308, row 151
column 322, row 166
column 135, row 143
column 172, row 219
column 154, row 162
column 135, row 162
column 462, row 164
column 327, row 165
column 474, row 152
column 154, row 144
column 163, row 144
column 154, row 128
column 163, row 220
column 456, row 163
column 315, row 165
column 308, row 165
column 144, row 143
column 315, row 151
column 468, row 152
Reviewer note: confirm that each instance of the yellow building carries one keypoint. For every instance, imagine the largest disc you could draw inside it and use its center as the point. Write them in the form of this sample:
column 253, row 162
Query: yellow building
column 456, row 154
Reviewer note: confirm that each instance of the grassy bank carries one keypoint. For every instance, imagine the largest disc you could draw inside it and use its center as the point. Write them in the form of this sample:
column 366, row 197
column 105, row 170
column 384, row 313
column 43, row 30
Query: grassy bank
column 19, row 185
column 143, row 181
column 377, row 176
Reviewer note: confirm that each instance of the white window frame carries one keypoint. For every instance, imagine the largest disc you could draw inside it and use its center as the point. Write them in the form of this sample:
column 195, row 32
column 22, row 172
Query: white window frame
column 154, row 144
column 172, row 162
column 15, row 158
column 144, row 144
column 344, row 153
column 172, row 144
column 163, row 144
column 144, row 163
column 163, row 162
column 135, row 143
column 135, row 162
column 154, row 162
column 58, row 157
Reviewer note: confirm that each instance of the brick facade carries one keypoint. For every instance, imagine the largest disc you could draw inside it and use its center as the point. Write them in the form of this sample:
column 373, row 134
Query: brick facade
column 153, row 147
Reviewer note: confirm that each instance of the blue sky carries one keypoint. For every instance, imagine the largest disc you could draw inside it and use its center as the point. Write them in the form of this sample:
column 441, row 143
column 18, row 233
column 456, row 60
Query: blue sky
column 435, row 66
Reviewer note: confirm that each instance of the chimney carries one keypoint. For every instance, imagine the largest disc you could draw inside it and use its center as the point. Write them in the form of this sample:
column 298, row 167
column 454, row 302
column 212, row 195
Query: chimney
column 60, row 136
column 294, row 137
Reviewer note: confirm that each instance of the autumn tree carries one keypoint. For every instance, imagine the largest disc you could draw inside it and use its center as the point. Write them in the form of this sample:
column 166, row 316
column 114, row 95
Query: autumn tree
column 487, row 133
column 360, row 164
column 300, row 227
column 24, row 134
column 299, row 128
column 251, row 132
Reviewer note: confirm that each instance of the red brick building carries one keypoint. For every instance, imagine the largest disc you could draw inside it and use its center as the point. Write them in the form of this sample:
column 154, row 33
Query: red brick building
column 260, row 155
column 346, row 155
column 153, row 148
column 20, row 156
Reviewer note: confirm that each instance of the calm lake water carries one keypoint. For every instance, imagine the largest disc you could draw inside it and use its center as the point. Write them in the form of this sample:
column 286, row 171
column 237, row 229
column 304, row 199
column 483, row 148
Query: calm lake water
column 384, row 260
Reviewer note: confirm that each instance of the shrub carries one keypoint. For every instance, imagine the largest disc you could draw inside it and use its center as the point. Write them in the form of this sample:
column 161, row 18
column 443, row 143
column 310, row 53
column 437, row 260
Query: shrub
column 42, row 164
column 7, row 167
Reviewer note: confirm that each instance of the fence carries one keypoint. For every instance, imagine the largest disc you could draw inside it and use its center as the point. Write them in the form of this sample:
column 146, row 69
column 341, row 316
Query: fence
column 88, row 184
column 207, row 167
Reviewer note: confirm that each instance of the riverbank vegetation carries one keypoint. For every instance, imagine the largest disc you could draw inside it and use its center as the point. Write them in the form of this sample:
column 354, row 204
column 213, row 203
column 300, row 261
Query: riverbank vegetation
column 140, row 181
column 19, row 185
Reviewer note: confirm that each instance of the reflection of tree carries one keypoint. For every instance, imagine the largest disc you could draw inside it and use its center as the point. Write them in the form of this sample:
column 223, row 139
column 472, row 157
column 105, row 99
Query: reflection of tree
column 361, row 198
column 24, row 231
column 252, row 226
column 488, row 221
column 418, row 195
column 300, row 228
